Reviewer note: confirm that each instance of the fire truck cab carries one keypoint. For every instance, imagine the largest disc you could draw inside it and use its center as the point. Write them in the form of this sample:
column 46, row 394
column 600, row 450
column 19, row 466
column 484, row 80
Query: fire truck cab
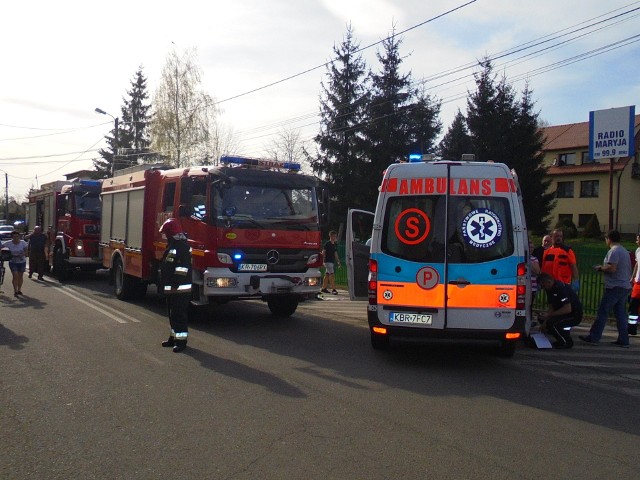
column 253, row 227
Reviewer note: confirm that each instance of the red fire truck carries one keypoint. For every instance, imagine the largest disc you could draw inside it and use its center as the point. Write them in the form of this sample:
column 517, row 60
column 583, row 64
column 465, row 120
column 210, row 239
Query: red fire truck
column 253, row 226
column 73, row 210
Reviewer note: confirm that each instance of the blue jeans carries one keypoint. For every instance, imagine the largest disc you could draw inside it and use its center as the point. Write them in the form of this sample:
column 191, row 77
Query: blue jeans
column 613, row 299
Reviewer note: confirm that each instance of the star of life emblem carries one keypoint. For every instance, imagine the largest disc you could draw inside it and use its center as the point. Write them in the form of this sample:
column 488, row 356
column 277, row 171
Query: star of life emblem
column 482, row 228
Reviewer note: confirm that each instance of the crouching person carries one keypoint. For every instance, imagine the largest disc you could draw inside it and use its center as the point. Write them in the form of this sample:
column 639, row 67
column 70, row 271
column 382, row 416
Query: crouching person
column 175, row 279
column 564, row 312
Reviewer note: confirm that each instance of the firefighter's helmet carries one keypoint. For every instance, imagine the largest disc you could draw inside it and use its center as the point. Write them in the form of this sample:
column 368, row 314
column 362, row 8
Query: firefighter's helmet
column 171, row 227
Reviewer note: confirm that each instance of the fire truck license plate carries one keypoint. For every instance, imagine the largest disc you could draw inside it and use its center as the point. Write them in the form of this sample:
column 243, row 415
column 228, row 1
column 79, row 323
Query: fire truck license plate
column 401, row 317
column 252, row 267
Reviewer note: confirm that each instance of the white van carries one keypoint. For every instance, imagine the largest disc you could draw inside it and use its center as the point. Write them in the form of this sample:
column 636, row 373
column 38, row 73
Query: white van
column 447, row 257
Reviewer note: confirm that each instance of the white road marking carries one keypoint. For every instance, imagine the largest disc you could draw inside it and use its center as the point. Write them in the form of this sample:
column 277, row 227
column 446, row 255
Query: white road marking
column 120, row 317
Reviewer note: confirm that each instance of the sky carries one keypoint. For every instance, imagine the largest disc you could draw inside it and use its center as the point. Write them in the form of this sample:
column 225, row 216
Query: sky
column 61, row 60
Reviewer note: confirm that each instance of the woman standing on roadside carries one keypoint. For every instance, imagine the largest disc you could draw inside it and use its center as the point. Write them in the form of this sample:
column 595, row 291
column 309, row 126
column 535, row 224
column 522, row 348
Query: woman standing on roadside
column 18, row 262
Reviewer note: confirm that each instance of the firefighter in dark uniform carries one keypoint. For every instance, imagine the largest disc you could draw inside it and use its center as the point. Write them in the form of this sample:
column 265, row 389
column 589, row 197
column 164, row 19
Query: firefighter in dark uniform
column 175, row 279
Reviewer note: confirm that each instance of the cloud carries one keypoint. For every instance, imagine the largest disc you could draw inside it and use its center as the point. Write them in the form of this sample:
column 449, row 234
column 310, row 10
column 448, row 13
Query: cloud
column 368, row 17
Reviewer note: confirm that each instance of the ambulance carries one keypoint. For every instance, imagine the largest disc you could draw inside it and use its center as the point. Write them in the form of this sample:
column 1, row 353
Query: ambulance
column 444, row 257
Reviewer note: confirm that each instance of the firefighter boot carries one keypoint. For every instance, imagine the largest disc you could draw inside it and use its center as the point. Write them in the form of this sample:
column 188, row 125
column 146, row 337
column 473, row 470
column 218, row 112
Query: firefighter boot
column 179, row 346
column 170, row 342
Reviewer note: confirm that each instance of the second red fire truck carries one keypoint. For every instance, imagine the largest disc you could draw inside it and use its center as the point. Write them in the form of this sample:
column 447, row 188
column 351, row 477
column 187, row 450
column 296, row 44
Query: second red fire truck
column 72, row 209
column 253, row 226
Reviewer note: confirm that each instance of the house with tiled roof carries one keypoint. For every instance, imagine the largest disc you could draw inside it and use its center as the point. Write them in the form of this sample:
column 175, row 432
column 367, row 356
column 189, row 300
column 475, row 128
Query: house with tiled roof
column 582, row 186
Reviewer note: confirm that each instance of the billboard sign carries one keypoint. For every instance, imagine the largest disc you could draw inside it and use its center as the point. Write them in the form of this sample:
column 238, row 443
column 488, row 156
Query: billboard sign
column 611, row 133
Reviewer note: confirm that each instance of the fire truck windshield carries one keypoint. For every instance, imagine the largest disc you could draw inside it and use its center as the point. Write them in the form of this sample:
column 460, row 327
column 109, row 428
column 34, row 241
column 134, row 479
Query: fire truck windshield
column 251, row 206
column 87, row 204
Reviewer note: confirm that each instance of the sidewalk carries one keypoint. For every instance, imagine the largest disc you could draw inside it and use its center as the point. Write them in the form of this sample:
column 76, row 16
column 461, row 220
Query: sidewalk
column 342, row 295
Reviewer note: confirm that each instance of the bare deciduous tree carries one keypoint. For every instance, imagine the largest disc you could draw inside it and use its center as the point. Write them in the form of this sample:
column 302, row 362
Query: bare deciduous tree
column 183, row 112
column 288, row 146
column 222, row 140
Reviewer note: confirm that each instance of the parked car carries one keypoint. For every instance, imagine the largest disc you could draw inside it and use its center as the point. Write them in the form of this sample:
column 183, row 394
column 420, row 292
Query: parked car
column 5, row 232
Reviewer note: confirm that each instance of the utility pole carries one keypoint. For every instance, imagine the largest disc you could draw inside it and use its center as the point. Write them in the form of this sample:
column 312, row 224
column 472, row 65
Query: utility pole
column 116, row 140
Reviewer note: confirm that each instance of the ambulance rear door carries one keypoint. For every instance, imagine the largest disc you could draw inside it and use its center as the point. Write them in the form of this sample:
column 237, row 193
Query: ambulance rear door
column 358, row 241
column 447, row 253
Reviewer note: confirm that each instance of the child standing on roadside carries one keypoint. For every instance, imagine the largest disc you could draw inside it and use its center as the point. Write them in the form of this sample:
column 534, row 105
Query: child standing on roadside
column 331, row 259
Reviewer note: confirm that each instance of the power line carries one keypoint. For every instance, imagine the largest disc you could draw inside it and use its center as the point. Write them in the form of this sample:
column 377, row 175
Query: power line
column 309, row 70
column 541, row 41
column 257, row 133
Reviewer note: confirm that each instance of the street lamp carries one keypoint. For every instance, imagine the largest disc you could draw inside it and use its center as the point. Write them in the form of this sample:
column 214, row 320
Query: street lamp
column 115, row 136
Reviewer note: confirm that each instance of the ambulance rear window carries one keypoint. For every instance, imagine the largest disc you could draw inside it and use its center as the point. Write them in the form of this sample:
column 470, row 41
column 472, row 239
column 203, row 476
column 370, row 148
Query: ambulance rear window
column 478, row 229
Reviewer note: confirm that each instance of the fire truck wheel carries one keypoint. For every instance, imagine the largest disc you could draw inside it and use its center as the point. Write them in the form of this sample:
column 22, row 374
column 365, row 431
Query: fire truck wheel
column 126, row 286
column 283, row 306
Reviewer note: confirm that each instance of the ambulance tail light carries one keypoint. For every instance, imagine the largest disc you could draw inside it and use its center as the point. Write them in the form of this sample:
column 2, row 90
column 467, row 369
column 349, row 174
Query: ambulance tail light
column 373, row 282
column 521, row 287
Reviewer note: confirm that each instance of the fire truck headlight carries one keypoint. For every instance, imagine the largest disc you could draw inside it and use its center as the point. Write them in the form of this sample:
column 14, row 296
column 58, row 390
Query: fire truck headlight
column 313, row 281
column 79, row 247
column 222, row 282
column 225, row 258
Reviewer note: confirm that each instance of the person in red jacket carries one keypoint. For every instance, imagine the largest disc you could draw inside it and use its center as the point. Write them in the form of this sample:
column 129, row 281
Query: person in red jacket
column 559, row 261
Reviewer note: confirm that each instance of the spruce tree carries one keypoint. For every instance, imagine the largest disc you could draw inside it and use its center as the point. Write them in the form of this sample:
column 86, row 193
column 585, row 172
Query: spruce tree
column 424, row 123
column 133, row 137
column 340, row 159
column 367, row 123
column 456, row 141
column 388, row 123
column 527, row 160
column 506, row 130
column 401, row 119
column 482, row 112
column 136, row 119
column 105, row 166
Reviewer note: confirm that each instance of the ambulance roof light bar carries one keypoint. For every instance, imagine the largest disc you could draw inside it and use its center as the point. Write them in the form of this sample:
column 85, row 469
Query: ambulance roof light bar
column 259, row 162
column 421, row 157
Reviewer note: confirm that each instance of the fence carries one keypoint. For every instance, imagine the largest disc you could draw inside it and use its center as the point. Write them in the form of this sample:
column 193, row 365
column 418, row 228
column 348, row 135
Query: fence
column 591, row 282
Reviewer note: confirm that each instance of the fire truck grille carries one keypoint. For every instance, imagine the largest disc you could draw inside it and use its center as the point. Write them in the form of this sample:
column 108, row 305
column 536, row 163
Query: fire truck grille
column 278, row 260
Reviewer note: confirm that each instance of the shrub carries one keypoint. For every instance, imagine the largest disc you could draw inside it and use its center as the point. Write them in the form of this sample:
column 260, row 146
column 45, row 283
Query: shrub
column 568, row 227
column 592, row 228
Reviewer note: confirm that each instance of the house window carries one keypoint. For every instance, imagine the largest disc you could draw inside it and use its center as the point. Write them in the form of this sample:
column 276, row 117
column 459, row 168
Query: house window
column 566, row 159
column 589, row 188
column 586, row 158
column 565, row 218
column 583, row 219
column 564, row 190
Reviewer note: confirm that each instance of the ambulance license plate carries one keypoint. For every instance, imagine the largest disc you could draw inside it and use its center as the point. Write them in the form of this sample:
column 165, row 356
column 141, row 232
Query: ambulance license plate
column 403, row 317
column 252, row 267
